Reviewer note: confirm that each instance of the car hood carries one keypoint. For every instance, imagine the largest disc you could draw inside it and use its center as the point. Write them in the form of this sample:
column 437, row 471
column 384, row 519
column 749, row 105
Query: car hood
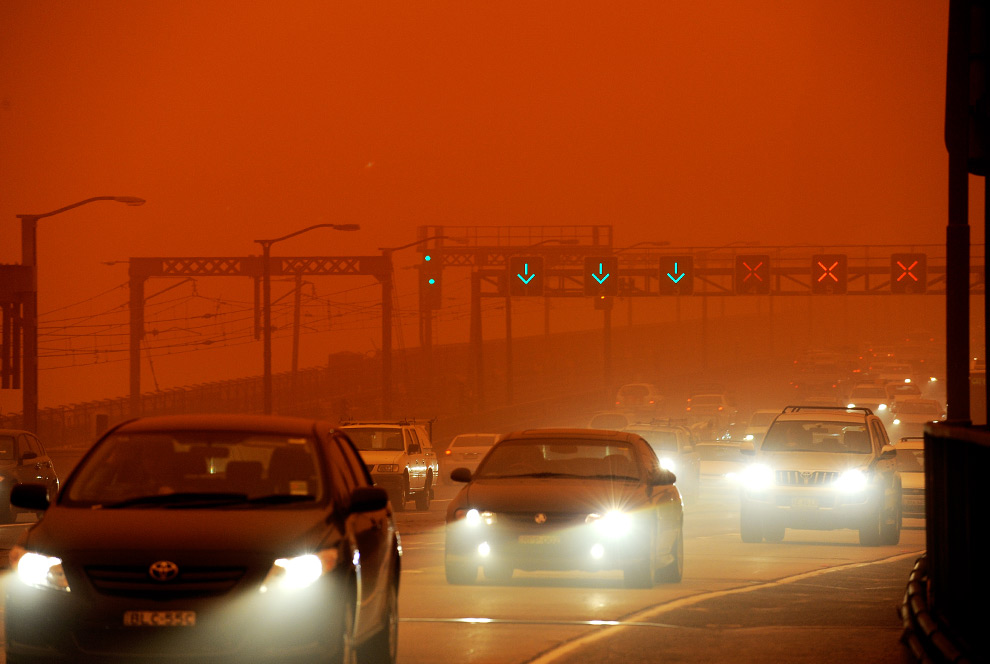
column 382, row 456
column 828, row 461
column 281, row 531
column 553, row 495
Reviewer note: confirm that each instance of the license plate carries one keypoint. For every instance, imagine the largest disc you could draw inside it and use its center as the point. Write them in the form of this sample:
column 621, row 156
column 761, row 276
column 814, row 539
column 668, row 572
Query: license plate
column 159, row 618
column 539, row 539
column 805, row 503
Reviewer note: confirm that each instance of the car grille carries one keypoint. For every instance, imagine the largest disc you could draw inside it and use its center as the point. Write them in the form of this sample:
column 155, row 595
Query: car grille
column 805, row 478
column 553, row 519
column 134, row 581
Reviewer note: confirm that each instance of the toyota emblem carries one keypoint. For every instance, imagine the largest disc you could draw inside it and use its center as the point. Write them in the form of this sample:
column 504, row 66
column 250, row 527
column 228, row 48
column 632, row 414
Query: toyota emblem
column 163, row 570
column 540, row 518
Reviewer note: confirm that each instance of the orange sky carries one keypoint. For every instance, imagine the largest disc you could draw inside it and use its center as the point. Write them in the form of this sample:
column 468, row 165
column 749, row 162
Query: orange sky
column 697, row 123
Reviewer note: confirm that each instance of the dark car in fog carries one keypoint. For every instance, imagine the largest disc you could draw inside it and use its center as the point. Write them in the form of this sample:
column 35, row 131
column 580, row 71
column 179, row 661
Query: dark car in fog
column 22, row 459
column 566, row 499
column 208, row 538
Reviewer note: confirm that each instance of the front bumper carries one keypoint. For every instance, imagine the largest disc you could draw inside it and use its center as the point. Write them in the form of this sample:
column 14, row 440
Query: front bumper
column 238, row 626
column 537, row 548
column 812, row 508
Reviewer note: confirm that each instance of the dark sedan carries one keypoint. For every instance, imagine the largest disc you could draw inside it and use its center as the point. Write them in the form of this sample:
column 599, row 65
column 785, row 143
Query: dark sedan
column 566, row 499
column 208, row 538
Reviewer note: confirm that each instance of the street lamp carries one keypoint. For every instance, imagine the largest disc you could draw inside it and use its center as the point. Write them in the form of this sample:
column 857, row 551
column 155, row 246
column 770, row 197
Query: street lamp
column 266, row 285
column 29, row 316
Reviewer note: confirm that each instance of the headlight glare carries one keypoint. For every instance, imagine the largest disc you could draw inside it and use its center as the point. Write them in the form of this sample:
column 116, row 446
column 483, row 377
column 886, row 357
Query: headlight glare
column 757, row 477
column 852, row 481
column 300, row 571
column 613, row 523
column 38, row 570
column 882, row 407
column 474, row 518
column 668, row 464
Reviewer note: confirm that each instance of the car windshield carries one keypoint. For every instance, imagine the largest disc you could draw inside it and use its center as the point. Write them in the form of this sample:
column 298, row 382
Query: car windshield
column 474, row 440
column 867, row 393
column 376, row 438
column 817, row 436
column 580, row 458
column 719, row 452
column 659, row 440
column 193, row 469
column 903, row 390
column 911, row 461
column 634, row 392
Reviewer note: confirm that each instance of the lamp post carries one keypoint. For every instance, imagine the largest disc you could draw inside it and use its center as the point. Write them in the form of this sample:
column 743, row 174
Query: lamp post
column 266, row 287
column 29, row 316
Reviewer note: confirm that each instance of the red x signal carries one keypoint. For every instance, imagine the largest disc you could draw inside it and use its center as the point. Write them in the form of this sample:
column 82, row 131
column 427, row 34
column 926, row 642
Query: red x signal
column 906, row 271
column 827, row 271
column 752, row 271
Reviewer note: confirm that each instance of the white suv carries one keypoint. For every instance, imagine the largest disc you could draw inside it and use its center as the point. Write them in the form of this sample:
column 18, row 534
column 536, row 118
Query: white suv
column 400, row 458
column 822, row 468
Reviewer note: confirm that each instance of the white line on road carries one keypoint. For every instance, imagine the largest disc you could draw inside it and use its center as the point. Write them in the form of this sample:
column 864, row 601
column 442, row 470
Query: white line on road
column 645, row 615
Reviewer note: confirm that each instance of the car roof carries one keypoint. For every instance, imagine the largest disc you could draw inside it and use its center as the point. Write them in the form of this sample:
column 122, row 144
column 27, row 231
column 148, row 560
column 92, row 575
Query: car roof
column 221, row 422
column 604, row 435
column 812, row 413
column 910, row 444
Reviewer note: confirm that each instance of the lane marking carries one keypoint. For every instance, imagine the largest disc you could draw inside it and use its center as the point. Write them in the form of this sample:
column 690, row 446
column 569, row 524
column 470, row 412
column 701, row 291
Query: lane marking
column 569, row 647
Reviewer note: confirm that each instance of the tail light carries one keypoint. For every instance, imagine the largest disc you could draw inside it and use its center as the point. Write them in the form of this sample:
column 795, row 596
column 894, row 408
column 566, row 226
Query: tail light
column 447, row 452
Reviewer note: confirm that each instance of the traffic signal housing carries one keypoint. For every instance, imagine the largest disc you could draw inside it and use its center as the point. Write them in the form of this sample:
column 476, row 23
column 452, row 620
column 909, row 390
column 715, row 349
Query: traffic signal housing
column 526, row 275
column 908, row 273
column 430, row 277
column 752, row 274
column 676, row 275
column 601, row 275
column 829, row 274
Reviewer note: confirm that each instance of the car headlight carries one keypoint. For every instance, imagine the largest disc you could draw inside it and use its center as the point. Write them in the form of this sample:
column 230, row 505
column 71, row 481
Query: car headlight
column 300, row 571
column 881, row 407
column 850, row 405
column 757, row 477
column 613, row 523
column 387, row 468
column 668, row 464
column 473, row 517
column 852, row 481
column 38, row 570
column 749, row 436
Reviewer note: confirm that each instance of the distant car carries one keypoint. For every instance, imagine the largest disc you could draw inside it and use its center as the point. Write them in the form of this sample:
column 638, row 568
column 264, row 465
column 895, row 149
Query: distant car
column 641, row 397
column 566, row 499
column 400, row 458
column 898, row 390
column 911, row 415
column 714, row 408
column 911, row 466
column 822, row 469
column 23, row 459
column 720, row 461
column 220, row 538
column 466, row 451
column 612, row 420
column 869, row 395
column 674, row 447
column 758, row 424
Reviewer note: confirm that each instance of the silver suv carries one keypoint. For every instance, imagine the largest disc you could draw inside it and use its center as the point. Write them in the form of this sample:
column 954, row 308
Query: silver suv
column 400, row 458
column 821, row 468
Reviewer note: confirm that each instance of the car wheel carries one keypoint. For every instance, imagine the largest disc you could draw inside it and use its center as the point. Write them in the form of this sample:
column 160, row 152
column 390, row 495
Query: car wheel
column 673, row 572
column 869, row 532
column 400, row 496
column 750, row 525
column 773, row 533
column 383, row 647
column 639, row 573
column 890, row 528
column 423, row 497
column 499, row 573
column 459, row 574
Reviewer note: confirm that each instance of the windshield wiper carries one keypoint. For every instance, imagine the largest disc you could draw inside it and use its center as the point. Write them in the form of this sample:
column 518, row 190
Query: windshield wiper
column 183, row 499
column 610, row 476
column 279, row 498
column 542, row 474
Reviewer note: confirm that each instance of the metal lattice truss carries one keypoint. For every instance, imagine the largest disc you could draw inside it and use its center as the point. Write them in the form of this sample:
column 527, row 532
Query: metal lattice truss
column 251, row 266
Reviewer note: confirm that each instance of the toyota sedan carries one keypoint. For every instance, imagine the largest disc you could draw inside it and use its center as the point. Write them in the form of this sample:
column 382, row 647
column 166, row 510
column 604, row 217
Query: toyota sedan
column 208, row 538
column 566, row 499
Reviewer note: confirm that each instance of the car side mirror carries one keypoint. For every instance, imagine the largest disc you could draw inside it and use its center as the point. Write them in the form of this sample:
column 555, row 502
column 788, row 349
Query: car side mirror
column 368, row 499
column 747, row 448
column 888, row 452
column 460, row 475
column 29, row 455
column 414, row 448
column 30, row 496
column 662, row 477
